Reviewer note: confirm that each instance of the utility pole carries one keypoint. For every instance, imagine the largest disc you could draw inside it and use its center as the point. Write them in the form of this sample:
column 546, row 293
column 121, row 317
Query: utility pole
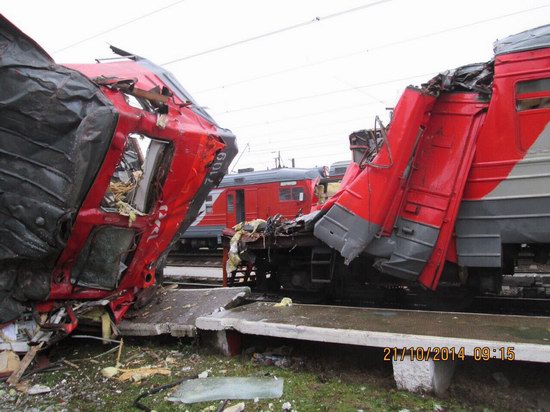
column 239, row 158
column 278, row 161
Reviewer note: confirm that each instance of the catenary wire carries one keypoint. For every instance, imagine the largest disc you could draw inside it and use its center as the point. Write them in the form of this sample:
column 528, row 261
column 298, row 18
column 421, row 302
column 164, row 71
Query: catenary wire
column 118, row 26
column 312, row 96
column 278, row 31
column 363, row 51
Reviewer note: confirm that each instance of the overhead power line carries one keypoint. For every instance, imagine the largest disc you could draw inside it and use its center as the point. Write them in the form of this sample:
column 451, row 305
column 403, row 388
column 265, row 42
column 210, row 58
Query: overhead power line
column 271, row 135
column 363, row 51
column 303, row 116
column 311, row 144
column 259, row 146
column 311, row 96
column 118, row 26
column 278, row 31
column 328, row 152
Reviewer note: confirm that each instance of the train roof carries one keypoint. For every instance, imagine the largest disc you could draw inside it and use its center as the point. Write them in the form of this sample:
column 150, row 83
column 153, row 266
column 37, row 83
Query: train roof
column 269, row 176
column 336, row 167
column 532, row 39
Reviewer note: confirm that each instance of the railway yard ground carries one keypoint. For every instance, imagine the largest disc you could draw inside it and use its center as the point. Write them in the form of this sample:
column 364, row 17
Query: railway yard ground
column 317, row 377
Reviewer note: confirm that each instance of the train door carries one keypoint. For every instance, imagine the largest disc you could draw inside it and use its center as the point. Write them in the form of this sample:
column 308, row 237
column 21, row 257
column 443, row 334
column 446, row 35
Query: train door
column 266, row 202
column 240, row 206
column 251, row 207
column 230, row 214
column 235, row 207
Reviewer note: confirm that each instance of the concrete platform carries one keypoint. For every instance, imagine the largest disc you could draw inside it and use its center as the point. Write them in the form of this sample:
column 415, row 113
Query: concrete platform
column 529, row 336
column 174, row 311
column 420, row 331
column 182, row 272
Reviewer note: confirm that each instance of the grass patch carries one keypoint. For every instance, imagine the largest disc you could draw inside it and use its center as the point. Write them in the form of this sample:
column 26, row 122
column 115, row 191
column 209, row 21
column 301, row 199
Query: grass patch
column 312, row 384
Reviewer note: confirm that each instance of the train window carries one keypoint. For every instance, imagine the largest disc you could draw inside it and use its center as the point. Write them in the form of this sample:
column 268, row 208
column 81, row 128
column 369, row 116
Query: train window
column 298, row 193
column 285, row 194
column 295, row 193
column 533, row 94
column 230, row 204
column 138, row 178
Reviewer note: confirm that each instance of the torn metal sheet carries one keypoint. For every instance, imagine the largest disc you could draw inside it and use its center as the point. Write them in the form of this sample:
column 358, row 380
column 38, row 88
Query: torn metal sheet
column 476, row 77
column 174, row 311
column 532, row 39
column 220, row 388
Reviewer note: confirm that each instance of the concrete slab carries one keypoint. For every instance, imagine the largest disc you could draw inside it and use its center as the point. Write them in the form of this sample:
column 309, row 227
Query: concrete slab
column 179, row 272
column 529, row 336
column 174, row 311
column 423, row 376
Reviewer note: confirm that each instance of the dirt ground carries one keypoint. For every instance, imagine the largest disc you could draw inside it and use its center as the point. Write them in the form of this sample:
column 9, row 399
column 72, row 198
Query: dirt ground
column 317, row 377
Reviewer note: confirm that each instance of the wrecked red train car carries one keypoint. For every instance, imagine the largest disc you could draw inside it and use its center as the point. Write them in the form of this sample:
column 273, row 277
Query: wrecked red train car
column 103, row 166
column 453, row 193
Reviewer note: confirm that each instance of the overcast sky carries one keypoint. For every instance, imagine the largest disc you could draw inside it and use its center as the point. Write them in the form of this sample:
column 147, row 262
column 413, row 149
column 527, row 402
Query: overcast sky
column 300, row 91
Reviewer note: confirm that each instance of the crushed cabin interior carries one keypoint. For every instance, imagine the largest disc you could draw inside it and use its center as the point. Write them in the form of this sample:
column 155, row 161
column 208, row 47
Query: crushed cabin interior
column 429, row 205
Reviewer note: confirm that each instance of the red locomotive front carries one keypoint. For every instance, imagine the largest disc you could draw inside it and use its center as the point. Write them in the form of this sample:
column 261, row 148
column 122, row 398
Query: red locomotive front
column 103, row 167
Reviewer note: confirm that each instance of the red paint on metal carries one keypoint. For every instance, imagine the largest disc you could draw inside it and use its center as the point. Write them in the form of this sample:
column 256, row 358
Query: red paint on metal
column 373, row 193
column 261, row 200
column 194, row 143
column 507, row 134
column 224, row 264
column 438, row 175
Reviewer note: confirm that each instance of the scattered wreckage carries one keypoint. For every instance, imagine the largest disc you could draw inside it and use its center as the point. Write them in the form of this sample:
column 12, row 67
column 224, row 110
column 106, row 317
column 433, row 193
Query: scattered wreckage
column 103, row 167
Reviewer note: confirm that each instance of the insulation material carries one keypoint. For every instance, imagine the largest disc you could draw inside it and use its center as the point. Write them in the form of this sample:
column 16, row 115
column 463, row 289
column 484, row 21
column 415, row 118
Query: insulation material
column 251, row 229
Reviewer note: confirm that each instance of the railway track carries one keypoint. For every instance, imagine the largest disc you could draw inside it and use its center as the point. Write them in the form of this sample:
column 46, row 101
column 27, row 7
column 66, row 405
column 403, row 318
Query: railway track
column 201, row 258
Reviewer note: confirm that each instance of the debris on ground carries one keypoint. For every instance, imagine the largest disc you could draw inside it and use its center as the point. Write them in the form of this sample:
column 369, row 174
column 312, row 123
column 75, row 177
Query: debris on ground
column 287, row 406
column 279, row 357
column 109, row 371
column 38, row 389
column 138, row 374
column 204, row 374
column 327, row 379
column 9, row 361
column 284, row 302
column 135, row 375
column 216, row 388
column 277, row 360
column 235, row 408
